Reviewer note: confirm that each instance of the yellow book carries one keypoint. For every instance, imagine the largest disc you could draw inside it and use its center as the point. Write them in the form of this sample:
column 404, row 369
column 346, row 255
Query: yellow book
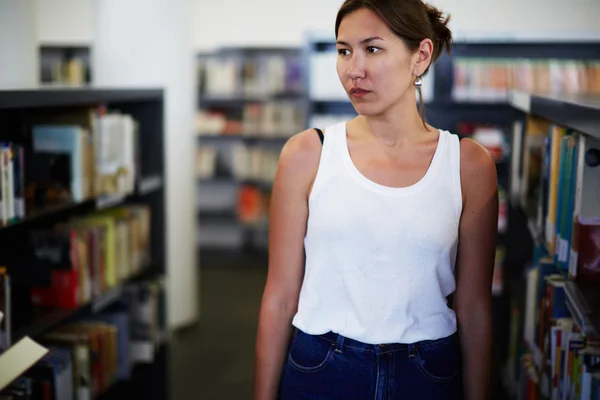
column 125, row 262
column 109, row 225
column 557, row 133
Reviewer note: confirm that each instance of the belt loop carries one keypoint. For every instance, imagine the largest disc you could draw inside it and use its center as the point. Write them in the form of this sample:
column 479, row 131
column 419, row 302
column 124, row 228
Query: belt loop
column 339, row 344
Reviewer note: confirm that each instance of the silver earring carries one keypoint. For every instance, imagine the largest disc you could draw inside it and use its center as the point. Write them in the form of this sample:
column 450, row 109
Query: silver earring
column 418, row 82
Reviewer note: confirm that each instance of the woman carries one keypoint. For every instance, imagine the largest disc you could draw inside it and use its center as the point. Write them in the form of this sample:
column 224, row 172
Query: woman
column 373, row 225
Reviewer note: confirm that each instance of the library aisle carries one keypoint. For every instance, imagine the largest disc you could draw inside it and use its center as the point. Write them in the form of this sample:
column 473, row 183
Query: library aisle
column 231, row 289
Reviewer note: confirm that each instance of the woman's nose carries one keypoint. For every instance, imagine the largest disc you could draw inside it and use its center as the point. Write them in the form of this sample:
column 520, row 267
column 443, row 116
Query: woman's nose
column 356, row 68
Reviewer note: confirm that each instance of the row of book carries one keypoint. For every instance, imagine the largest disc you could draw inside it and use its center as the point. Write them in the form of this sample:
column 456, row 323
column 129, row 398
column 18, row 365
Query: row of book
column 559, row 356
column 255, row 76
column 89, row 255
column 84, row 358
column 281, row 118
column 555, row 179
column 240, row 162
column 491, row 79
column 69, row 157
column 74, row 262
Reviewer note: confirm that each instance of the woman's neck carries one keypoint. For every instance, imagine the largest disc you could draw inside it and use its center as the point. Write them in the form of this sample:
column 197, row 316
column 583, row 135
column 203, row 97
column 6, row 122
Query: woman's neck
column 399, row 124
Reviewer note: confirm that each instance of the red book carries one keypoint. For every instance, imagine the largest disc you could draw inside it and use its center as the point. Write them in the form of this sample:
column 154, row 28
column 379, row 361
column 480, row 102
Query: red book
column 586, row 244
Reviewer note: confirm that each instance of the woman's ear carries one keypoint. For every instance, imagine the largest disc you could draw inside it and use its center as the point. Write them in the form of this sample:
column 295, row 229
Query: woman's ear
column 423, row 57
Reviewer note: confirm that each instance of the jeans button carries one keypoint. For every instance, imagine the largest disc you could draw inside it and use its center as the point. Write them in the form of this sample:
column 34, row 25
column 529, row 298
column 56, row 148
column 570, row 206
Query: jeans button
column 382, row 345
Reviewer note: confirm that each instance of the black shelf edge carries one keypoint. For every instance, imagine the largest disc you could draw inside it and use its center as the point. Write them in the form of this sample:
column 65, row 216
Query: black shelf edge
column 73, row 96
column 232, row 180
column 578, row 112
column 51, row 318
column 234, row 99
column 146, row 186
column 250, row 139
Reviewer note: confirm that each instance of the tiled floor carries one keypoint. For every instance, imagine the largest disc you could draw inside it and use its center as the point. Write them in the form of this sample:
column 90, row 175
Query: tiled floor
column 213, row 360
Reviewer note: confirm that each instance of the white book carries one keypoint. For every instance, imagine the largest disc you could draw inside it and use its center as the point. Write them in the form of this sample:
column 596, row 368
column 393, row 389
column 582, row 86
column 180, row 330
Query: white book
column 18, row 359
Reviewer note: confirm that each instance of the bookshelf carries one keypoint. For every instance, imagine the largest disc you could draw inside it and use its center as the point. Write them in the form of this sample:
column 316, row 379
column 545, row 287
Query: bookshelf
column 555, row 196
column 82, row 242
column 250, row 102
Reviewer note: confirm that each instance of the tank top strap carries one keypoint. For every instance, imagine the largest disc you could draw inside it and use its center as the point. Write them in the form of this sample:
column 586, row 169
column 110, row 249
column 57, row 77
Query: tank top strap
column 452, row 173
column 330, row 158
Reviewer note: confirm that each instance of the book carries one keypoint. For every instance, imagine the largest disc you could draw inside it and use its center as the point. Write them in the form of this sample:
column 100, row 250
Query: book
column 18, row 358
column 69, row 140
column 584, row 261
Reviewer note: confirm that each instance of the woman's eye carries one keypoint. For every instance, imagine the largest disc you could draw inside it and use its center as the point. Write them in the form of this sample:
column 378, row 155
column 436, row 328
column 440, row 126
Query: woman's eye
column 372, row 49
column 343, row 52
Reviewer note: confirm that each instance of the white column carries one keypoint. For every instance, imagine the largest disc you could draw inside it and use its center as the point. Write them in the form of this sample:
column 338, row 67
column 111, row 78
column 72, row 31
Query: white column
column 148, row 43
column 18, row 45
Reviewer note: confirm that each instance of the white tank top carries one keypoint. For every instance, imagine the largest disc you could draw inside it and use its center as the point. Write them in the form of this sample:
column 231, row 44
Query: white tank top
column 380, row 260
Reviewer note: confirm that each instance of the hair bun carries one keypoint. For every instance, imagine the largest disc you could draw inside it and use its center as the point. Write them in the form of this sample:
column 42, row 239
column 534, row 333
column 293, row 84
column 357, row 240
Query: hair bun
column 442, row 39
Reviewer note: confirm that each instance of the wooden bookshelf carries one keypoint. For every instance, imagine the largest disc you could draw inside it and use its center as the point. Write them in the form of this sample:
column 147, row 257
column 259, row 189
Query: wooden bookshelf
column 19, row 110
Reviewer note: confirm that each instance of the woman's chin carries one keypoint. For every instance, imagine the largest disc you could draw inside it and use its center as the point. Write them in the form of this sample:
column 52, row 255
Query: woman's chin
column 366, row 109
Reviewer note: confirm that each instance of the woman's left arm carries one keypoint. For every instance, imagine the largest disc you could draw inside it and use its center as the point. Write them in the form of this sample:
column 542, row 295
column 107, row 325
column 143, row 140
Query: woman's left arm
column 475, row 264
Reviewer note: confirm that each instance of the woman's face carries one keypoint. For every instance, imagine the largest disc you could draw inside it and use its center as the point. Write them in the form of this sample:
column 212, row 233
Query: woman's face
column 375, row 67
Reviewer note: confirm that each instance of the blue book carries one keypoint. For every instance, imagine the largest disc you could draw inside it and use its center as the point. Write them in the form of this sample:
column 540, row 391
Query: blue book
column 571, row 207
column 64, row 139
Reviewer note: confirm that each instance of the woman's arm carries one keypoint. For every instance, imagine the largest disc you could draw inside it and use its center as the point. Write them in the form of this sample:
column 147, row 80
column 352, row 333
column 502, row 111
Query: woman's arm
column 298, row 163
column 475, row 264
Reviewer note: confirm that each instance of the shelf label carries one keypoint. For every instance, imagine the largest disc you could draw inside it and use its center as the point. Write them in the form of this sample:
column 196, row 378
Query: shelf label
column 149, row 185
column 109, row 201
column 107, row 298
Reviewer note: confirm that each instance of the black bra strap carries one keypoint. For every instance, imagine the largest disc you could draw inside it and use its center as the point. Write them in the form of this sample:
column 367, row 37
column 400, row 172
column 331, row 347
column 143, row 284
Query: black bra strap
column 320, row 132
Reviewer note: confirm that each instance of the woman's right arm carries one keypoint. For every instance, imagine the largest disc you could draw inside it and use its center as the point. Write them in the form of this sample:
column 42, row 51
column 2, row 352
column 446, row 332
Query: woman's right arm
column 296, row 170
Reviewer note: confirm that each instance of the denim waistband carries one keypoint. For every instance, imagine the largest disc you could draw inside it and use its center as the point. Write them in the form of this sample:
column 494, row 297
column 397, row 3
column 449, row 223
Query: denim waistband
column 342, row 341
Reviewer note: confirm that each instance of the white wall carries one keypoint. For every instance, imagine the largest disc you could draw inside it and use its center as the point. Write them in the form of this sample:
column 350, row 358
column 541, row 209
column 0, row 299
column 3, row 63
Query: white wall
column 148, row 43
column 65, row 21
column 285, row 22
column 259, row 22
column 18, row 46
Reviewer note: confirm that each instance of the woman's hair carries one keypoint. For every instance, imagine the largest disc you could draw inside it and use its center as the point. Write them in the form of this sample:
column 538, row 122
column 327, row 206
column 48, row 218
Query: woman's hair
column 411, row 20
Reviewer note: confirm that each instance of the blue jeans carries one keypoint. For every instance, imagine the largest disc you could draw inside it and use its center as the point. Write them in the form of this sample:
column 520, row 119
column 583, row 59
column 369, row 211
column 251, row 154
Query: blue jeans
column 332, row 367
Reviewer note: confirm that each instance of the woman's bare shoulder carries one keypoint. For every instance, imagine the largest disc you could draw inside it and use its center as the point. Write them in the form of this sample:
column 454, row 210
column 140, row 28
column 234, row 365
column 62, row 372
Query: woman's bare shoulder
column 477, row 168
column 299, row 158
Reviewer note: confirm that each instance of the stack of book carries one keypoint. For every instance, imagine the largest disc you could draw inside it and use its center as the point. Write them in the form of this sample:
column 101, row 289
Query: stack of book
column 257, row 76
column 87, row 256
column 491, row 79
column 72, row 158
